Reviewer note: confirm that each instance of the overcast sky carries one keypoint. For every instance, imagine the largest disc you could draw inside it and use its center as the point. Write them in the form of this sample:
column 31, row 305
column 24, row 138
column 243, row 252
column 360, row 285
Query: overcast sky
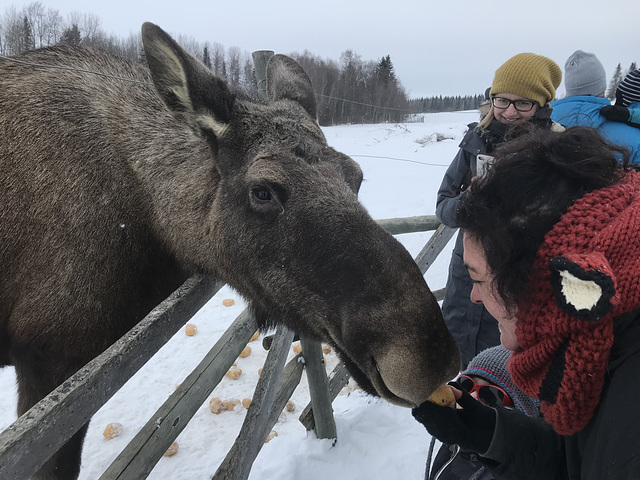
column 438, row 47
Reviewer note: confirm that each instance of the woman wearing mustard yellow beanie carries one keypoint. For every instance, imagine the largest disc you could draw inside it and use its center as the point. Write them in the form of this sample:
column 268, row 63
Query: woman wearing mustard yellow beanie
column 520, row 94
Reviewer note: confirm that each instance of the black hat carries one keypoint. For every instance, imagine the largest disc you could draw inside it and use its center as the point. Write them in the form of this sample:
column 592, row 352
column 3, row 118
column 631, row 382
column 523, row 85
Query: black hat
column 628, row 91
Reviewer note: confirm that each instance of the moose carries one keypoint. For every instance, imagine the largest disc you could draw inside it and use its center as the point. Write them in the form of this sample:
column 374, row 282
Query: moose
column 120, row 181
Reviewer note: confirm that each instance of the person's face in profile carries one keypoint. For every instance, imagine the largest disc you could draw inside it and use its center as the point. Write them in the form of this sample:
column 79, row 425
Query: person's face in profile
column 483, row 292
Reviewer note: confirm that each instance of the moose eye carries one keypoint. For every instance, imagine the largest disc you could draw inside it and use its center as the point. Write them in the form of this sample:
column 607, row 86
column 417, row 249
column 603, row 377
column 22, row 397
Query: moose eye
column 300, row 151
column 261, row 194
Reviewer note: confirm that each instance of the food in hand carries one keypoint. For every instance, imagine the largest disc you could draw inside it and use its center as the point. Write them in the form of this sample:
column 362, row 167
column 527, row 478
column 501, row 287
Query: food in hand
column 443, row 396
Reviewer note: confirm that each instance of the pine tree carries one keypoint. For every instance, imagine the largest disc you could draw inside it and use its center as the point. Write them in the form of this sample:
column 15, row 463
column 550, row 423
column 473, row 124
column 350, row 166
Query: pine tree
column 206, row 58
column 385, row 70
column 615, row 81
column 71, row 36
column 26, row 41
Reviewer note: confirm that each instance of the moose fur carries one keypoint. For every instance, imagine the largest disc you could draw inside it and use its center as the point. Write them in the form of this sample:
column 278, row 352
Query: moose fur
column 119, row 184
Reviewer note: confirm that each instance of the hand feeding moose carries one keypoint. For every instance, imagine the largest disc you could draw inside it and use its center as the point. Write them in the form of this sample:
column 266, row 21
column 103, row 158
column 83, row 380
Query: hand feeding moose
column 116, row 191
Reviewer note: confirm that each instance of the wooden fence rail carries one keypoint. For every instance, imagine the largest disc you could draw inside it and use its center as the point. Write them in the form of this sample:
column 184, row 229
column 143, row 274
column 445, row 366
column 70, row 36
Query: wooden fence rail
column 31, row 440
column 147, row 447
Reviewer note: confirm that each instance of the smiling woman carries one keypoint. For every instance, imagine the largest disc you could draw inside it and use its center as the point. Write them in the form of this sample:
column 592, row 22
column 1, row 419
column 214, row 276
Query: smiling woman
column 521, row 90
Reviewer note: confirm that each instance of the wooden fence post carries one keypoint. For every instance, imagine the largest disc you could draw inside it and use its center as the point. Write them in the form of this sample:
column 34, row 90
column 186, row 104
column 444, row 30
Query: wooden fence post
column 338, row 378
column 237, row 464
column 147, row 447
column 325, row 425
column 260, row 59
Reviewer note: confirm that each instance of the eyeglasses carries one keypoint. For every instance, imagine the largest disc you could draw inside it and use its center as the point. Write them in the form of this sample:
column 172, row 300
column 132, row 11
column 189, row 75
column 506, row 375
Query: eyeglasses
column 520, row 105
column 490, row 395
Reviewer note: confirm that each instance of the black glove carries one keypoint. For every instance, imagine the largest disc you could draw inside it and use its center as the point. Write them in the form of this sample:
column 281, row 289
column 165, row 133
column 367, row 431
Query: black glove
column 470, row 427
column 615, row 113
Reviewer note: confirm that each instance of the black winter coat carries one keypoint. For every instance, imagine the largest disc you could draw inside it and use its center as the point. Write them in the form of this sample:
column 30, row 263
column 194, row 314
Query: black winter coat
column 608, row 448
column 470, row 324
column 451, row 463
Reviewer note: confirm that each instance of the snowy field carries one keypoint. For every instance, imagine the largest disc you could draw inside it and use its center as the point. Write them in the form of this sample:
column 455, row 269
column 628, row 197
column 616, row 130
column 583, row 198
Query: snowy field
column 403, row 166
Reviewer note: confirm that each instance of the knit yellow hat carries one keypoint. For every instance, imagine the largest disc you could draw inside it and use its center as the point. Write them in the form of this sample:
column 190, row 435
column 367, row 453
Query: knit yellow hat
column 529, row 75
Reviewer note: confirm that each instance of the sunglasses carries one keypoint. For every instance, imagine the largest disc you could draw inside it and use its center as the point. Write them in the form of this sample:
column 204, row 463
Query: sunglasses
column 490, row 395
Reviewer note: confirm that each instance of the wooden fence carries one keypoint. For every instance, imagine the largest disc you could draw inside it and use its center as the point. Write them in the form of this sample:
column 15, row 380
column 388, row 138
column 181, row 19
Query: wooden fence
column 31, row 440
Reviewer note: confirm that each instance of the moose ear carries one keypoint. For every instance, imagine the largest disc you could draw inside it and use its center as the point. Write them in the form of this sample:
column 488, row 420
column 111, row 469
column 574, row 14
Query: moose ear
column 583, row 285
column 190, row 91
column 286, row 79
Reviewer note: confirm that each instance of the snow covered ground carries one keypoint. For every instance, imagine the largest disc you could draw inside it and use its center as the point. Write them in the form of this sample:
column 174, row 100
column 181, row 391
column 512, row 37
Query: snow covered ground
column 403, row 166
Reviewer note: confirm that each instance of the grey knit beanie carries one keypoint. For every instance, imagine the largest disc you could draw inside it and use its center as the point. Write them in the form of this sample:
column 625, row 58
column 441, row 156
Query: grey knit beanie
column 584, row 75
column 491, row 364
column 629, row 89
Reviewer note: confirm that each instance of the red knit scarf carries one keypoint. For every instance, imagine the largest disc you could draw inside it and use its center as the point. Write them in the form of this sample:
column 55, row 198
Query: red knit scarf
column 587, row 271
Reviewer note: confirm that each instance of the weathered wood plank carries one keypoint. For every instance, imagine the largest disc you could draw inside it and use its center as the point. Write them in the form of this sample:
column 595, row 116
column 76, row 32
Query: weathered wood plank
column 29, row 442
column 439, row 294
column 147, row 447
column 396, row 226
column 325, row 425
column 434, row 246
column 260, row 59
column 237, row 464
column 288, row 382
column 268, row 339
column 338, row 378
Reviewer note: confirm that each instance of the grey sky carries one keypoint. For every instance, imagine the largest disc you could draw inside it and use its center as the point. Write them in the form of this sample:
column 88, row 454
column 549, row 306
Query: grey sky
column 443, row 47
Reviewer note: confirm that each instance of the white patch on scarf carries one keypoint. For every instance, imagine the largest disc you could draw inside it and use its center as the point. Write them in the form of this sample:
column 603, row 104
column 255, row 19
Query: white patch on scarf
column 581, row 294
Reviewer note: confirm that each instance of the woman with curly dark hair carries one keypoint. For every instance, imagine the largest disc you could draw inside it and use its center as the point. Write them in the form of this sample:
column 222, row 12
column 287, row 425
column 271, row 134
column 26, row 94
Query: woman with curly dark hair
column 552, row 244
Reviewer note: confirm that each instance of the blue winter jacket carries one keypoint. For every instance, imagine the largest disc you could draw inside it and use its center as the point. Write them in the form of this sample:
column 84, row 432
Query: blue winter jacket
column 634, row 113
column 585, row 110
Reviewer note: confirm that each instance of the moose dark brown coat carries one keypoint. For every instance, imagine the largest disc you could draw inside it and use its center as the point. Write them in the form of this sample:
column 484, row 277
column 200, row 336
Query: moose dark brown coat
column 119, row 182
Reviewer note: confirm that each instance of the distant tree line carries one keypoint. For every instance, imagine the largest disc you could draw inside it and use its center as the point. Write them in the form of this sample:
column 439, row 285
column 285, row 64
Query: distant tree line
column 350, row 90
column 618, row 75
column 445, row 104
column 471, row 102
column 355, row 91
column 36, row 26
